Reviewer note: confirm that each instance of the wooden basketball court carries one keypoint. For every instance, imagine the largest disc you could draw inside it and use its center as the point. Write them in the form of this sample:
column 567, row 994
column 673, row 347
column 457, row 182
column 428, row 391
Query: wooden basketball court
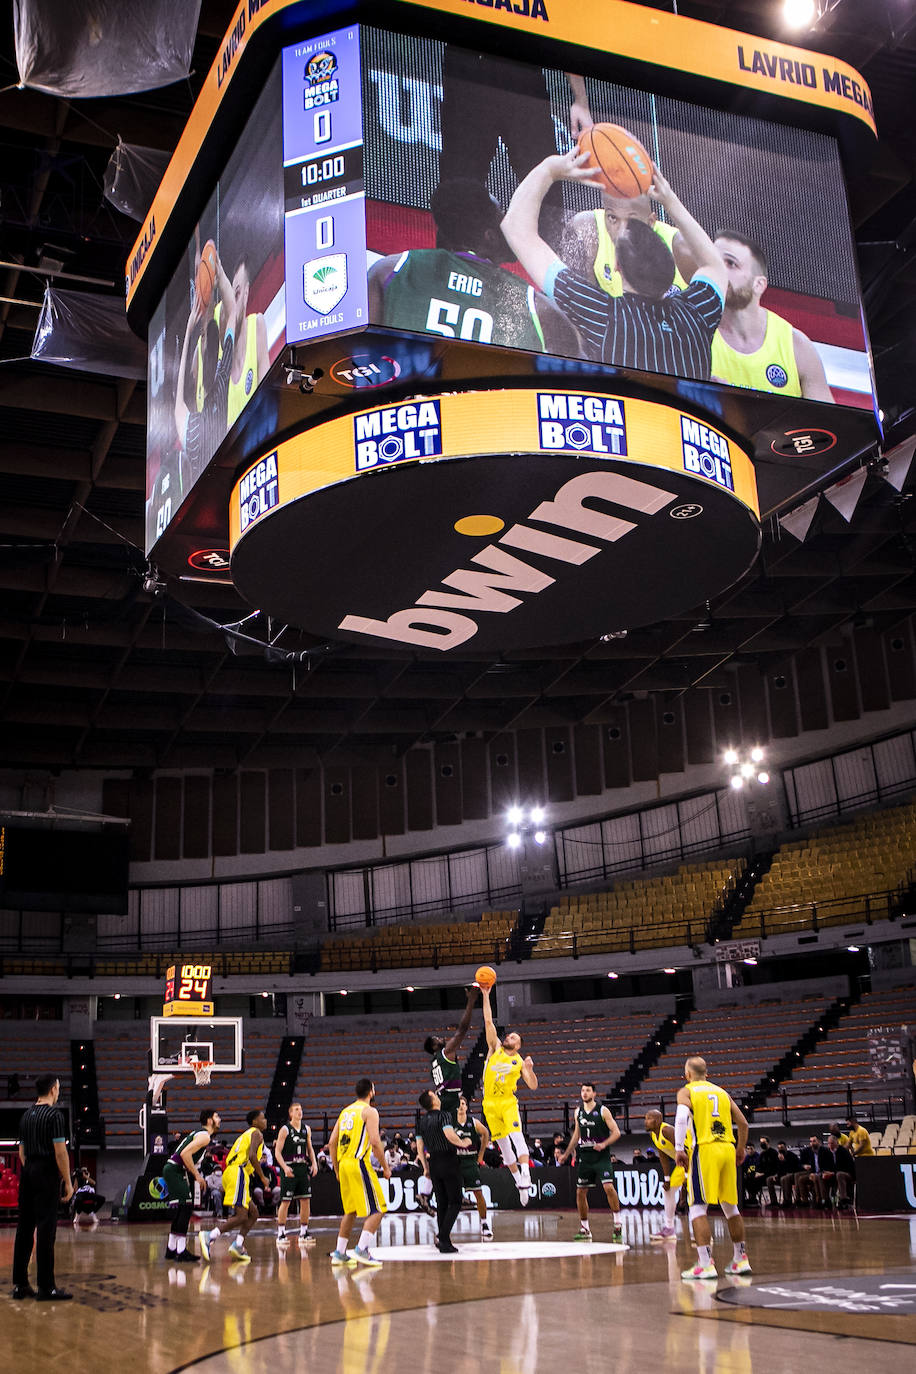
column 538, row 1304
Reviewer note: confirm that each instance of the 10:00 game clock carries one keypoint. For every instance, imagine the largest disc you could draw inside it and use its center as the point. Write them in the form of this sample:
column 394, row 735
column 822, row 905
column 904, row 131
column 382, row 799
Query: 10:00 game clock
column 188, row 990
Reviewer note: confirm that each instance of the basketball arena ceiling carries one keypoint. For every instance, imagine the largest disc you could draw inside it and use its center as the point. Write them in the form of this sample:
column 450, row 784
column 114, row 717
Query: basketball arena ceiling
column 96, row 670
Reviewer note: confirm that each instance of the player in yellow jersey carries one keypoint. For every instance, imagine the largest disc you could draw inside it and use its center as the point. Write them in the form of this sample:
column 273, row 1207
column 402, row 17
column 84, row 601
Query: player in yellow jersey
column 708, row 1112
column 753, row 346
column 243, row 1160
column 589, row 246
column 503, row 1067
column 662, row 1136
column 354, row 1138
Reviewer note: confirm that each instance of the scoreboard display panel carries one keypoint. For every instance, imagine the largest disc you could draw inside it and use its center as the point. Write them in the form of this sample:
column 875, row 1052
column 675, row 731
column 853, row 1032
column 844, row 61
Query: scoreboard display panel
column 188, row 989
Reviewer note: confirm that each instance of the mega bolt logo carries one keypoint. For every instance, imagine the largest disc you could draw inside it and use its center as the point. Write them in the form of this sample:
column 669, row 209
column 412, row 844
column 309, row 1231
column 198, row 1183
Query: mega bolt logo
column 321, row 84
column 395, row 433
column 581, row 424
column 259, row 491
column 706, row 453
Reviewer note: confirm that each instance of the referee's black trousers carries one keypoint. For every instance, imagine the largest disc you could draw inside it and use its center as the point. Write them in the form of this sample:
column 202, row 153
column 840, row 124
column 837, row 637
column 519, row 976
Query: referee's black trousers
column 39, row 1199
column 445, row 1172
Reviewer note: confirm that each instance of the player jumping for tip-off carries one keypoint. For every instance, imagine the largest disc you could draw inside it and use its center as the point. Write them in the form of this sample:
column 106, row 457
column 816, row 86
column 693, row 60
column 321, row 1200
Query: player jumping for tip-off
column 445, row 1071
column 502, row 1070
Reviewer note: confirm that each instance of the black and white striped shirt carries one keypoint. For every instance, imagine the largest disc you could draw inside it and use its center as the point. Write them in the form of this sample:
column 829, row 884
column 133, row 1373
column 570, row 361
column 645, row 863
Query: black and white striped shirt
column 671, row 335
column 434, row 1139
column 40, row 1126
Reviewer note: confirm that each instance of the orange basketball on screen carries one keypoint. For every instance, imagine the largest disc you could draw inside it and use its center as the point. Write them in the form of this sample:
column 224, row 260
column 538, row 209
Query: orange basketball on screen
column 485, row 976
column 206, row 272
column 619, row 159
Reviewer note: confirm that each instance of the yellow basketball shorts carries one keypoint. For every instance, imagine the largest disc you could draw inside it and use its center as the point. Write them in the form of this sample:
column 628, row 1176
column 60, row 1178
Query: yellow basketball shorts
column 502, row 1116
column 236, row 1187
column 360, row 1189
column 713, row 1174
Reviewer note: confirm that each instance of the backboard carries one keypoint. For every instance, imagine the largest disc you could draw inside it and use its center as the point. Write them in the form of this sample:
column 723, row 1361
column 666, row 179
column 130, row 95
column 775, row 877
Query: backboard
column 174, row 1039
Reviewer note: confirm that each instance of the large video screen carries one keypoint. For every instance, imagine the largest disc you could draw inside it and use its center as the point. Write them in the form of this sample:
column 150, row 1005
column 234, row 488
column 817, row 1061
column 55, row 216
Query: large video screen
column 222, row 320
column 739, row 266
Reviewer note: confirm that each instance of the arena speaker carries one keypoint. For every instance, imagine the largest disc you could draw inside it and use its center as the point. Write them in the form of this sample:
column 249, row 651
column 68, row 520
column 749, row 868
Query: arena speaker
column 310, row 908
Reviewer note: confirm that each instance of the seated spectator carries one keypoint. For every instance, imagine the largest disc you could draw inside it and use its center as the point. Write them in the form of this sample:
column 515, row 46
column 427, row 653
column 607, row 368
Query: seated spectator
column 751, row 1177
column 768, row 1170
column 789, row 1165
column 537, row 1152
column 559, row 1146
column 837, row 1130
column 395, row 1159
column 807, row 1181
column 267, row 1200
column 859, row 1141
column 86, row 1201
column 837, row 1172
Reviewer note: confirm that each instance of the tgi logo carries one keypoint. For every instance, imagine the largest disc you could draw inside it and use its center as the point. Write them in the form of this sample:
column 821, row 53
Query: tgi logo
column 395, row 433
column 259, row 491
column 706, row 453
column 577, row 424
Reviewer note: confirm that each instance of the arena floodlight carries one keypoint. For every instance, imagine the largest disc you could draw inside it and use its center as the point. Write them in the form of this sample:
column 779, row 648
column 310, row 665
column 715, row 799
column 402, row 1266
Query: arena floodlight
column 731, row 756
column 747, row 770
column 763, row 777
column 750, row 960
column 799, row 14
column 736, row 781
column 612, row 974
column 853, row 949
column 537, row 814
column 757, row 755
column 540, row 836
column 513, row 840
column 515, row 815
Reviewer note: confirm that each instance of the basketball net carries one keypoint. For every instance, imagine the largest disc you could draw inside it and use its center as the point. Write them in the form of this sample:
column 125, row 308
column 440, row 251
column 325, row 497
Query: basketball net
column 201, row 1068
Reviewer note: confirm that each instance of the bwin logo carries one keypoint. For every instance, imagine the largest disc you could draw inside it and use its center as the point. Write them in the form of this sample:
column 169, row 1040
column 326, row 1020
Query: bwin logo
column 444, row 619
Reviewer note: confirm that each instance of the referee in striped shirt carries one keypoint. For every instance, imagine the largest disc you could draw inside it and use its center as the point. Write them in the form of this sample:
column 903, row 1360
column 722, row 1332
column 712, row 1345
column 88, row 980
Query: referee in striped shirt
column 645, row 328
column 438, row 1140
column 45, row 1162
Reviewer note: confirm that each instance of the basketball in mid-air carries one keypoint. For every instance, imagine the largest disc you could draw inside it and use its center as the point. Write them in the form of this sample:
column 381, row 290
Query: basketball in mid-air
column 206, row 272
column 620, row 161
column 485, row 976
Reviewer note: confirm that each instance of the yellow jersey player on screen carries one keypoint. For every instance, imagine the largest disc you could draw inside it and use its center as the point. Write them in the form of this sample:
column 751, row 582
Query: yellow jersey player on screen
column 589, row 246
column 503, row 1068
column 662, row 1137
column 707, row 1111
column 354, row 1140
column 754, row 347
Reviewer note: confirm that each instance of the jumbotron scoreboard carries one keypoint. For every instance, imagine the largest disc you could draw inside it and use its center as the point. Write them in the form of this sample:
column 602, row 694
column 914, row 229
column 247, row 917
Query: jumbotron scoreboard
column 386, row 426
column 188, row 990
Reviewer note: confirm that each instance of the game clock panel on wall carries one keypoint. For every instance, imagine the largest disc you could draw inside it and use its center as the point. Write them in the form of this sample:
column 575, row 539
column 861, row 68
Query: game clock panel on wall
column 188, row 990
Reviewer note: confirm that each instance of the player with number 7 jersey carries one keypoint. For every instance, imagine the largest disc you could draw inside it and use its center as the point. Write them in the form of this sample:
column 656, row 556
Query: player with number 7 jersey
column 709, row 1111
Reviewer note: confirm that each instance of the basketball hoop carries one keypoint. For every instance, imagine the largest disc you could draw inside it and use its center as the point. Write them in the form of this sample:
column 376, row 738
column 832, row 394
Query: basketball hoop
column 201, row 1068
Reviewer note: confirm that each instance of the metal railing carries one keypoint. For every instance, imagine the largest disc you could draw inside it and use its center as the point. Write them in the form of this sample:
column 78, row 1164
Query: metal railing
column 865, row 907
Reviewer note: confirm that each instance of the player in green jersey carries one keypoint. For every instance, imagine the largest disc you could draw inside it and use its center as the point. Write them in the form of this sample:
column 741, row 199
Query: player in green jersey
column 594, row 1134
column 445, row 1072
column 298, row 1166
column 459, row 289
column 180, row 1167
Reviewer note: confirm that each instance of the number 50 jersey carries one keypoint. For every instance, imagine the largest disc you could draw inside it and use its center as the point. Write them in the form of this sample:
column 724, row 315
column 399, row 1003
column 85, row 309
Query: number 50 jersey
column 461, row 296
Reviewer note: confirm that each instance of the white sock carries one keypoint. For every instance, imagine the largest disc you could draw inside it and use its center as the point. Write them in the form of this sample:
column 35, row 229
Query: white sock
column 366, row 1239
column 583, row 1225
column 704, row 1254
column 524, row 1174
column 342, row 1241
column 171, row 1245
column 303, row 1229
column 739, row 1250
column 671, row 1197
column 281, row 1230
column 180, row 1243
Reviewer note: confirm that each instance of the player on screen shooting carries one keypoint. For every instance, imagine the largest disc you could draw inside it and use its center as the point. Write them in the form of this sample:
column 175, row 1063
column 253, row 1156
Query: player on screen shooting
column 458, row 289
column 502, row 1070
column 647, row 327
column 201, row 428
column 589, row 245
